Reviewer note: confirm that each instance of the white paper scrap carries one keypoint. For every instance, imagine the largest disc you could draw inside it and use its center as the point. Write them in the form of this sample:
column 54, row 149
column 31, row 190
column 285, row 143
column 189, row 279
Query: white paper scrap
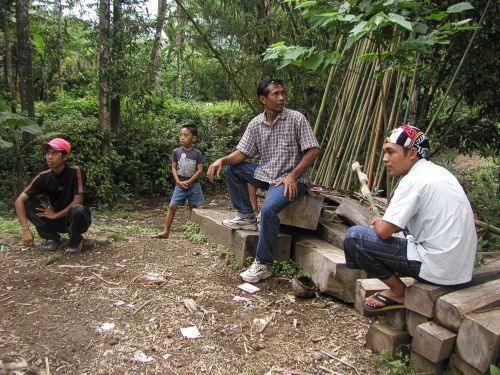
column 106, row 327
column 190, row 332
column 249, row 288
column 119, row 303
column 140, row 357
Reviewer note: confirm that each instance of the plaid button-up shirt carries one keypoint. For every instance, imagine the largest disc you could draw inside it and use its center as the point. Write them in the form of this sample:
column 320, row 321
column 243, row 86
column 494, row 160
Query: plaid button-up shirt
column 281, row 145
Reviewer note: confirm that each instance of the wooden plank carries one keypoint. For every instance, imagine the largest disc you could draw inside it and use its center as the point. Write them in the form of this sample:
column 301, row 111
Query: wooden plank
column 384, row 338
column 332, row 232
column 452, row 307
column 457, row 366
column 433, row 342
column 396, row 319
column 413, row 320
column 421, row 297
column 304, row 212
column 326, row 263
column 354, row 212
column 423, row 366
column 368, row 287
column 478, row 340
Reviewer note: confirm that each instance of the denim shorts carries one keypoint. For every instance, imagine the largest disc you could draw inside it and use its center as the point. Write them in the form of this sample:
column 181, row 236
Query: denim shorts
column 193, row 194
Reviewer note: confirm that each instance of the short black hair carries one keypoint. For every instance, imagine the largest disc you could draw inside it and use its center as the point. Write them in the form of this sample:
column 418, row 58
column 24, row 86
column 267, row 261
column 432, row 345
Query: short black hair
column 263, row 87
column 192, row 128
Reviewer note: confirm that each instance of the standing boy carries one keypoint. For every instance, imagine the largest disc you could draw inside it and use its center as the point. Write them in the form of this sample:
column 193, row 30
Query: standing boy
column 65, row 186
column 187, row 167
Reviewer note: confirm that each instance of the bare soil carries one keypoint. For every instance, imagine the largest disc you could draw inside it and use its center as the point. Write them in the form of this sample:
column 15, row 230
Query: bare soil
column 52, row 315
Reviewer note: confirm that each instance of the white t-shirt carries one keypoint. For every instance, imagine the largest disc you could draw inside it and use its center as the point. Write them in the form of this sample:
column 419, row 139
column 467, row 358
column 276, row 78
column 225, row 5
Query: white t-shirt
column 433, row 206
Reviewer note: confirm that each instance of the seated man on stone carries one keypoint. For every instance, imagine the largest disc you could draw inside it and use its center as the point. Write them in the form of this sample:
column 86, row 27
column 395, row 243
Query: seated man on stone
column 287, row 148
column 55, row 201
column 431, row 207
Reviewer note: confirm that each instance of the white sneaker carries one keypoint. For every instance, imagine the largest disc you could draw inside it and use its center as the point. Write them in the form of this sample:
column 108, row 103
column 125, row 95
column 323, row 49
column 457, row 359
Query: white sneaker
column 256, row 272
column 240, row 223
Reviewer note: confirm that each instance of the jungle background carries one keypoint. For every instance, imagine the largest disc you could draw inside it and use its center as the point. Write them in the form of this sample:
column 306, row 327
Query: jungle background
column 118, row 82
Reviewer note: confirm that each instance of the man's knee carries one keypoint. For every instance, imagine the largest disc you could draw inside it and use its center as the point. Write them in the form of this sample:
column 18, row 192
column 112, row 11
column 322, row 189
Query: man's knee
column 76, row 209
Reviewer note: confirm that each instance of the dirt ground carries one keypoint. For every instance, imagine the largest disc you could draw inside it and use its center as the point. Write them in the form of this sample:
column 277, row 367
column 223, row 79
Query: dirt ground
column 54, row 316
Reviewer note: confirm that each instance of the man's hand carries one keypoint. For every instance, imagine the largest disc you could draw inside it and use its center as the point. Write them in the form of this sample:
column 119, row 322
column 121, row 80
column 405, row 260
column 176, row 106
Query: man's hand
column 28, row 238
column 46, row 211
column 214, row 170
column 290, row 186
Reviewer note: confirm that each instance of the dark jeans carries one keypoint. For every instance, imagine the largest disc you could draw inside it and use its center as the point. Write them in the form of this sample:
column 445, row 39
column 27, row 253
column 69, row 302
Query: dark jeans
column 379, row 258
column 75, row 223
column 237, row 178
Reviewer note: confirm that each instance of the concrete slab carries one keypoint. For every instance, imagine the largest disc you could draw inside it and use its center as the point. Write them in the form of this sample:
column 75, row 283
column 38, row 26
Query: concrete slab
column 241, row 242
column 384, row 338
column 326, row 263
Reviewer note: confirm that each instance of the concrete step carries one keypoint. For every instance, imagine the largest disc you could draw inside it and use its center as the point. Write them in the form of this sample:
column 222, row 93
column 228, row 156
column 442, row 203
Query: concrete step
column 241, row 242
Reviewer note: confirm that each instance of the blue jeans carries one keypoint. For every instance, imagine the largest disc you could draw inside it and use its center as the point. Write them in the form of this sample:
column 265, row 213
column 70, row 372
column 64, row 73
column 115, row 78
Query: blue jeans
column 237, row 177
column 193, row 194
column 379, row 258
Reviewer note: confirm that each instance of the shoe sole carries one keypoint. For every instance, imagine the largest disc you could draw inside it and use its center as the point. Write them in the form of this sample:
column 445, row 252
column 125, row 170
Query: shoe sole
column 253, row 280
column 243, row 227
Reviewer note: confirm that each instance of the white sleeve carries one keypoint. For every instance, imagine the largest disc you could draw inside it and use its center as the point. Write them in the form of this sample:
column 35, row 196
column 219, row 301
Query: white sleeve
column 404, row 203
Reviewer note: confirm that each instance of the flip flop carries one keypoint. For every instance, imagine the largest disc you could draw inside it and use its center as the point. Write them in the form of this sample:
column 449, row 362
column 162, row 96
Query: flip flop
column 73, row 249
column 159, row 236
column 49, row 245
column 388, row 304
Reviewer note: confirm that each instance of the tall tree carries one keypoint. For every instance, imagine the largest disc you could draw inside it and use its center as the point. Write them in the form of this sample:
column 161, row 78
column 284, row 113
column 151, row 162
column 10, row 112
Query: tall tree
column 104, row 40
column 116, row 60
column 7, row 59
column 24, row 63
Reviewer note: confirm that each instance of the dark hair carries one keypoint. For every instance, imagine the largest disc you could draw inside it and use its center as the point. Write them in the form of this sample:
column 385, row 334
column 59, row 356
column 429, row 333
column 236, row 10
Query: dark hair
column 263, row 87
column 192, row 128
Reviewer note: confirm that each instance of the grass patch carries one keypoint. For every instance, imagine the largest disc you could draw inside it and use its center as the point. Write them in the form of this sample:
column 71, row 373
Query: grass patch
column 192, row 233
column 9, row 226
column 228, row 256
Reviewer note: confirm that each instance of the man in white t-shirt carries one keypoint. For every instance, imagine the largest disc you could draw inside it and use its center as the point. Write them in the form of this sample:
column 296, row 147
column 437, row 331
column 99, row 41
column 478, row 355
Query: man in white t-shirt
column 431, row 207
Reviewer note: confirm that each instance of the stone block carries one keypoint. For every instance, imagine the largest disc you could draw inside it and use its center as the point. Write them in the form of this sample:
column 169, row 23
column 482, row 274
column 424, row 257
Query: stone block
column 241, row 242
column 326, row 263
column 433, row 342
column 384, row 338
column 423, row 366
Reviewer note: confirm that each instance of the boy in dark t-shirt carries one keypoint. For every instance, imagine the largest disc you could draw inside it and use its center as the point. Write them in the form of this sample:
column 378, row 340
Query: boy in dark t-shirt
column 65, row 187
column 187, row 167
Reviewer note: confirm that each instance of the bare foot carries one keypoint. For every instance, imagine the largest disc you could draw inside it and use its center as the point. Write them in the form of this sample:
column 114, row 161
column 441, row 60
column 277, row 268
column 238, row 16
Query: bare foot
column 161, row 236
column 373, row 302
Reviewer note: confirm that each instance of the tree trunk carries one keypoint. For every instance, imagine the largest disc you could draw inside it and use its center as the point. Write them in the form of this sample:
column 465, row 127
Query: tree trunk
column 155, row 70
column 24, row 66
column 117, row 54
column 104, row 26
column 7, row 60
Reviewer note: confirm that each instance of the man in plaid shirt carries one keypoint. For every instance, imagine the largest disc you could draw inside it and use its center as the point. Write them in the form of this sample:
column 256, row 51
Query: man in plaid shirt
column 287, row 148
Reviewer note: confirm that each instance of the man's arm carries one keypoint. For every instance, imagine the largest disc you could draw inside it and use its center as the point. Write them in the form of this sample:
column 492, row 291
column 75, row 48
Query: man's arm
column 235, row 158
column 383, row 228
column 290, row 181
column 28, row 238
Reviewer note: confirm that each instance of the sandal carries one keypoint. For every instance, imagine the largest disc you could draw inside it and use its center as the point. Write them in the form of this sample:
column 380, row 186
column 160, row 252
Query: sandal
column 73, row 249
column 388, row 304
column 49, row 245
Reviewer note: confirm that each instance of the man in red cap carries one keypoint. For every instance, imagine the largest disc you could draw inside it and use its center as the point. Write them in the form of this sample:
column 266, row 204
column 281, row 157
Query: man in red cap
column 431, row 207
column 65, row 187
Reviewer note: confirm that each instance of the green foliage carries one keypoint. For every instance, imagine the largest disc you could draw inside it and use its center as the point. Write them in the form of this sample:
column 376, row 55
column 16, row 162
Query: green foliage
column 225, row 254
column 289, row 268
column 494, row 370
column 382, row 21
column 10, row 226
column 53, row 258
column 192, row 233
column 118, row 236
column 398, row 365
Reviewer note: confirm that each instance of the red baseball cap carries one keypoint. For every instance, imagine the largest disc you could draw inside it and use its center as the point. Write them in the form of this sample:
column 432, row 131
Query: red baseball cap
column 57, row 144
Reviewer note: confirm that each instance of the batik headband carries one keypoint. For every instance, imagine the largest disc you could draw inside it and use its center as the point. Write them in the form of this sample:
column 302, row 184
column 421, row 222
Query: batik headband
column 410, row 137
